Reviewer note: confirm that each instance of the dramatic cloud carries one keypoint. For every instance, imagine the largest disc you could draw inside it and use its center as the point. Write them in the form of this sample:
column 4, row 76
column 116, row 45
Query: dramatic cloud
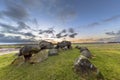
column 28, row 34
column 13, row 39
column 48, row 31
column 14, row 29
column 5, row 28
column 71, row 30
column 15, row 11
column 73, row 35
column 113, row 33
column 1, row 35
column 64, row 33
column 114, row 37
column 22, row 25
column 110, row 33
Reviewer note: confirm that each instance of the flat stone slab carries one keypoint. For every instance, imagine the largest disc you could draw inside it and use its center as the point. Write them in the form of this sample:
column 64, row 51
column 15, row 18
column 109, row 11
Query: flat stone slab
column 39, row 57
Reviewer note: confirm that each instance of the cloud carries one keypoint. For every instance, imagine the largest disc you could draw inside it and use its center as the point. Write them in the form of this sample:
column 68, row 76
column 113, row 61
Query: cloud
column 28, row 34
column 71, row 30
column 94, row 24
column 110, row 33
column 64, row 33
column 73, row 35
column 112, row 18
column 14, row 29
column 113, row 33
column 5, row 28
column 15, row 11
column 47, row 31
column 12, row 39
column 22, row 25
column 2, row 35
column 114, row 37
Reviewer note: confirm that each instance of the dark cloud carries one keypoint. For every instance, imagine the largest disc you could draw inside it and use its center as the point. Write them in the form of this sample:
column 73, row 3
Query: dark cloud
column 110, row 33
column 15, row 11
column 8, row 28
column 71, row 30
column 13, row 39
column 73, row 35
column 59, row 35
column 94, row 24
column 16, row 29
column 63, row 31
column 28, row 34
column 103, row 21
column 22, row 25
column 112, row 18
column 1, row 35
column 114, row 37
column 113, row 33
column 48, row 31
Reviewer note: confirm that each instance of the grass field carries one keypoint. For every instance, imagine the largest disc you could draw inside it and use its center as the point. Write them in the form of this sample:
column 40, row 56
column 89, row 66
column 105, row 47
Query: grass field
column 107, row 59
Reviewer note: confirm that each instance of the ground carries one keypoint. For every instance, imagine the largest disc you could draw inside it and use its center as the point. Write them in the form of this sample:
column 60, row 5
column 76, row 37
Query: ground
column 106, row 58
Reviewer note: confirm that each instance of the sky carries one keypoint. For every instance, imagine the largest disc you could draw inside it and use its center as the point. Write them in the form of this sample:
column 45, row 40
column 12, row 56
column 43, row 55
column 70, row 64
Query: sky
column 78, row 20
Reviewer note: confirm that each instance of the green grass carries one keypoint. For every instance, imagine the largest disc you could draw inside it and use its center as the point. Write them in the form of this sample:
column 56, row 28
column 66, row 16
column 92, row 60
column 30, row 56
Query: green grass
column 107, row 59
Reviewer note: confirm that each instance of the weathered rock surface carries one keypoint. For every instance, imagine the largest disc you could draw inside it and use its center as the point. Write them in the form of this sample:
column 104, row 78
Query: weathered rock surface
column 18, row 61
column 39, row 57
column 86, row 69
column 85, row 52
column 52, row 52
column 35, row 58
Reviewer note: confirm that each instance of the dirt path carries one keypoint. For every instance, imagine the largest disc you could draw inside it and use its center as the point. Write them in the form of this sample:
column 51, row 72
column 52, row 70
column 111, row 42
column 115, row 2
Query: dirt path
column 8, row 50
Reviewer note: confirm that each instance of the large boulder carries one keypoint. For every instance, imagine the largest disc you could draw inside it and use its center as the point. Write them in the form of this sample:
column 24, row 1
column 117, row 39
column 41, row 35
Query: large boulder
column 46, row 45
column 64, row 44
column 39, row 57
column 28, row 50
column 35, row 58
column 85, row 52
column 86, row 69
column 52, row 52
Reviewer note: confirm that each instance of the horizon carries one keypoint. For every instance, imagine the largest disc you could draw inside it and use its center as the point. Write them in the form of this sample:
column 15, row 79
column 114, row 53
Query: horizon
column 80, row 21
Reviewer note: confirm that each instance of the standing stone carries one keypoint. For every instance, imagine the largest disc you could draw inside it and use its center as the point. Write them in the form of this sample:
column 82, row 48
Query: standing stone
column 52, row 52
column 86, row 69
column 85, row 52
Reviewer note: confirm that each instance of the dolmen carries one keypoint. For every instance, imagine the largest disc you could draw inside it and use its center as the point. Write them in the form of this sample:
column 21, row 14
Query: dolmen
column 84, row 68
column 64, row 45
column 52, row 52
column 31, row 54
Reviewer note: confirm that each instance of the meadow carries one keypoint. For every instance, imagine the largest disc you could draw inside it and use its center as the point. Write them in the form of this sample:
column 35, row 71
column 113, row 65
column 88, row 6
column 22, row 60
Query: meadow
column 106, row 59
